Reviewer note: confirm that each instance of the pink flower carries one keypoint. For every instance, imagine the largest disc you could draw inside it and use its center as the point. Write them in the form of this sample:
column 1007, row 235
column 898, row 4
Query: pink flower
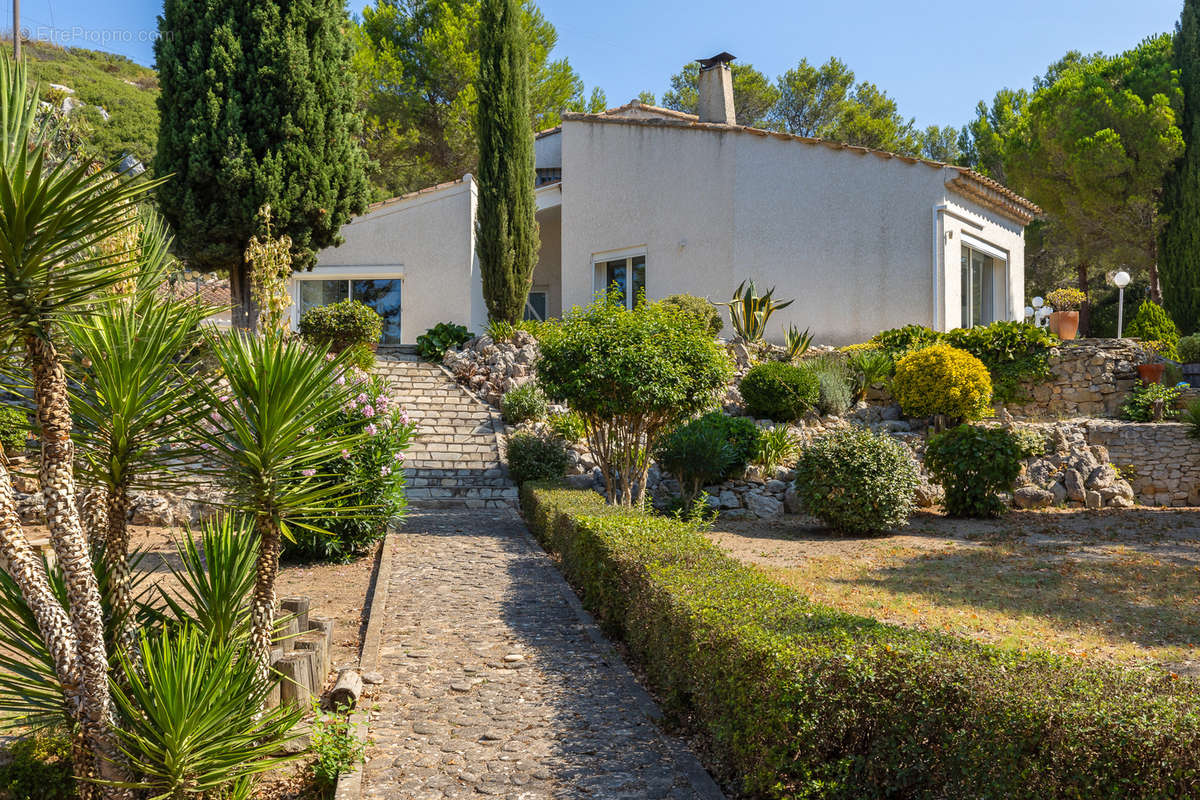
column 341, row 380
column 310, row 429
column 398, row 456
column 371, row 429
column 368, row 411
column 346, row 454
column 385, row 471
column 329, row 356
column 362, row 398
column 308, row 473
column 403, row 417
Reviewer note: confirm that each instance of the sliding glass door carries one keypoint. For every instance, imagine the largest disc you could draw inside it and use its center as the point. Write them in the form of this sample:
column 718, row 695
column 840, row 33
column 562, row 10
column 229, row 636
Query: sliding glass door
column 383, row 295
column 982, row 288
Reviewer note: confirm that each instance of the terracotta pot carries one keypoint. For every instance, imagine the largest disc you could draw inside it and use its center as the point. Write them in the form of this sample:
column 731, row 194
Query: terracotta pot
column 1065, row 324
column 1151, row 373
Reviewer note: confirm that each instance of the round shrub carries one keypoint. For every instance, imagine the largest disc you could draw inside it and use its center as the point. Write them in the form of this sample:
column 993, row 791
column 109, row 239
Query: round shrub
column 1152, row 323
column 523, row 403
column 780, row 392
column 1066, row 299
column 697, row 454
column 698, row 307
column 1189, row 349
column 857, row 482
column 942, row 380
column 974, row 464
column 341, row 325
column 14, row 430
column 536, row 458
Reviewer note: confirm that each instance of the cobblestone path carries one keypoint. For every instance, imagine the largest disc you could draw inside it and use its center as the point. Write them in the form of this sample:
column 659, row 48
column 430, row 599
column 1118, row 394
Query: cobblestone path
column 455, row 458
column 497, row 684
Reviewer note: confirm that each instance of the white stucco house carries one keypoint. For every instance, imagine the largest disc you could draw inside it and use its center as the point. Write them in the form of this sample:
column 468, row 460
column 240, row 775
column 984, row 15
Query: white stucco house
column 655, row 199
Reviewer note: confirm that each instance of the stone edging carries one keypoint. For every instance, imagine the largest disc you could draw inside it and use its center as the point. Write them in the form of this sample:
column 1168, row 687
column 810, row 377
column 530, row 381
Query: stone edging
column 349, row 785
column 701, row 782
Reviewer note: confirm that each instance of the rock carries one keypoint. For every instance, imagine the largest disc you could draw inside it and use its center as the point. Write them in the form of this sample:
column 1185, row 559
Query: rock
column 373, row 678
column 152, row 509
column 729, row 499
column 754, row 475
column 1102, row 477
column 791, row 501
column 1093, row 500
column 1060, row 494
column 583, row 481
column 763, row 506
column 1073, row 482
column 891, row 412
column 928, row 494
column 737, row 513
column 1032, row 497
column 776, row 486
column 1120, row 502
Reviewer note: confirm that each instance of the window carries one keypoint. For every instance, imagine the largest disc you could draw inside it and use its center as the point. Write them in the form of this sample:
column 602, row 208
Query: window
column 984, row 294
column 535, row 305
column 383, row 295
column 625, row 276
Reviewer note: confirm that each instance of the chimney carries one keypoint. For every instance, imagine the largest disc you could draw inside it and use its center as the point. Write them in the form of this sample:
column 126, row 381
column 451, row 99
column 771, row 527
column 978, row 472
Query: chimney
column 716, row 90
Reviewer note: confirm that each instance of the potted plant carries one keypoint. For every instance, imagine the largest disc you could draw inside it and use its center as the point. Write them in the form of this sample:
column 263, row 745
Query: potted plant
column 1152, row 371
column 1064, row 320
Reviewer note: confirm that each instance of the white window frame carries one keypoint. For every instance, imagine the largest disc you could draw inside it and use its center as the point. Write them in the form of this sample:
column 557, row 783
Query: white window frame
column 392, row 272
column 628, row 254
column 1001, row 257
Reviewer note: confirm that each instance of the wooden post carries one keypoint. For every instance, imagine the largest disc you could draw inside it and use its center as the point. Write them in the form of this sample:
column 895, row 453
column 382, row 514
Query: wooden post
column 346, row 691
column 295, row 683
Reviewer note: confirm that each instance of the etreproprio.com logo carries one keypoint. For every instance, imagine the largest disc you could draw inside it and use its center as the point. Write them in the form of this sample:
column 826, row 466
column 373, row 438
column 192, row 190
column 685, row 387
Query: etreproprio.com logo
column 77, row 35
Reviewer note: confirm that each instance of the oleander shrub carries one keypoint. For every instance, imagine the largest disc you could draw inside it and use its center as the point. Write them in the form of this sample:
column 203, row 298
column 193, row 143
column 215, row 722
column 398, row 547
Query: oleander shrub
column 14, row 430
column 347, row 325
column 433, row 343
column 780, row 392
column 974, row 464
column 1152, row 323
column 857, row 482
column 698, row 307
column 799, row 700
column 1188, row 349
column 367, row 479
column 940, row 380
column 523, row 403
column 532, row 457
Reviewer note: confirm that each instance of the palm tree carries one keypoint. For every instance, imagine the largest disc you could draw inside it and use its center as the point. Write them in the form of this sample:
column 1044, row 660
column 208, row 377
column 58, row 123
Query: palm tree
column 131, row 405
column 52, row 217
column 267, row 437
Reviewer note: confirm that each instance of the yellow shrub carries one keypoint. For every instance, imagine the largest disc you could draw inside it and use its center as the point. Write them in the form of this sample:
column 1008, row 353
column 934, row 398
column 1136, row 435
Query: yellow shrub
column 851, row 349
column 941, row 379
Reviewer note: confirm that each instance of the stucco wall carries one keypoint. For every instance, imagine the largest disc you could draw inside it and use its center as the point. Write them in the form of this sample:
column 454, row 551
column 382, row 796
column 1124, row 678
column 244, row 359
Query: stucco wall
column 429, row 241
column 547, row 275
column 848, row 236
column 547, row 150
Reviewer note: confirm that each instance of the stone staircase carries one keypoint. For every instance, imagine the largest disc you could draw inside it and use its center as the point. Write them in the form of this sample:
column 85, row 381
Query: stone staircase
column 454, row 461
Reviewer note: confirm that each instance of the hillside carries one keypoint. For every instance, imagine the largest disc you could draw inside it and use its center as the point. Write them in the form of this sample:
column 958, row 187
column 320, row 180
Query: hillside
column 125, row 90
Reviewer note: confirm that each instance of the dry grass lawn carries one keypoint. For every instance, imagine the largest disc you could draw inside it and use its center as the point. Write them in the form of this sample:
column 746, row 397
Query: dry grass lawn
column 1120, row 585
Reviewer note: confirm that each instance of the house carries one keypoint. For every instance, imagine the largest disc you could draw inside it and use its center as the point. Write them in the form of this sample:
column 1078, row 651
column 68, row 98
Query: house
column 666, row 202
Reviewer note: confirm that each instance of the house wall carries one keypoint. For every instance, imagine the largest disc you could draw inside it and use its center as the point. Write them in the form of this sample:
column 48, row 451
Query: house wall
column 429, row 241
column 849, row 236
column 547, row 275
column 547, row 150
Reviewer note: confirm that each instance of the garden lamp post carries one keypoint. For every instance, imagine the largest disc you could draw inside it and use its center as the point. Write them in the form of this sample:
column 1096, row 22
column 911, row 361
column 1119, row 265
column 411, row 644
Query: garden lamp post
column 1120, row 280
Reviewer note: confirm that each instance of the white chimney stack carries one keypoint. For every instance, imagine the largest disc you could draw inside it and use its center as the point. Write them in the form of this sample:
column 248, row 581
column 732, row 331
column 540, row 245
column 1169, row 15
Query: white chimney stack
column 716, row 90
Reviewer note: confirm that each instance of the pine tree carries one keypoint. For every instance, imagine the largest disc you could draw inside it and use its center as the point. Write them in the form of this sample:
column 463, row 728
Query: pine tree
column 506, row 226
column 1179, row 253
column 256, row 108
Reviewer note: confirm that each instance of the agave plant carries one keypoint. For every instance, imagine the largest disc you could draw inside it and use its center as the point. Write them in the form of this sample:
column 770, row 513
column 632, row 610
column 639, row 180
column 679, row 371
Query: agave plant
column 749, row 313
column 131, row 407
column 265, row 450
column 53, row 219
column 796, row 343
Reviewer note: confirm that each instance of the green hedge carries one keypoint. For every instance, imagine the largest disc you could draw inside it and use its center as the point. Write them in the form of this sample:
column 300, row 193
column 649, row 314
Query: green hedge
column 802, row 701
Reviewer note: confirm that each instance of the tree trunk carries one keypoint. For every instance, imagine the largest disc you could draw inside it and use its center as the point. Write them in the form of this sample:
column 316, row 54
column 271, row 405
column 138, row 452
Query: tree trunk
column 71, row 548
column 95, row 517
column 1155, row 286
column 262, row 614
column 116, row 563
column 1085, row 310
column 244, row 313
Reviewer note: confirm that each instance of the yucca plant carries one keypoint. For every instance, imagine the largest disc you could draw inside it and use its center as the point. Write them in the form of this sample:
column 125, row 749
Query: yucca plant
column 216, row 578
column 265, row 450
column 53, row 219
column 749, row 313
column 131, row 406
column 775, row 448
column 872, row 367
column 191, row 713
column 796, row 343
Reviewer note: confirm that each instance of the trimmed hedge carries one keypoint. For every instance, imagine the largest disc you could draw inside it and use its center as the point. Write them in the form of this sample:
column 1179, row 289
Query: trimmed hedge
column 801, row 701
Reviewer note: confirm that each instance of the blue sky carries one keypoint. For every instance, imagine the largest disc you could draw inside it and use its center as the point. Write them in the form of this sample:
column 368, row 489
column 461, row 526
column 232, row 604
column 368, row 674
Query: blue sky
column 936, row 59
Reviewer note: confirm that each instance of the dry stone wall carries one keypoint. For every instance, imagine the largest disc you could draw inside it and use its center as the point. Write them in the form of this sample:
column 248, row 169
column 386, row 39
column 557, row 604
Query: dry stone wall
column 1161, row 460
column 1091, row 378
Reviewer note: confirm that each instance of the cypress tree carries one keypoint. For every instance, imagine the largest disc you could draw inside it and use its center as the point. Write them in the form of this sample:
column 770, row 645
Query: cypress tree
column 1179, row 253
column 506, row 225
column 256, row 107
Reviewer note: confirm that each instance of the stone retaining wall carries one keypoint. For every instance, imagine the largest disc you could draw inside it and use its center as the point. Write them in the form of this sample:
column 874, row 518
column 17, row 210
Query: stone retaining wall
column 1165, row 461
column 1092, row 378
